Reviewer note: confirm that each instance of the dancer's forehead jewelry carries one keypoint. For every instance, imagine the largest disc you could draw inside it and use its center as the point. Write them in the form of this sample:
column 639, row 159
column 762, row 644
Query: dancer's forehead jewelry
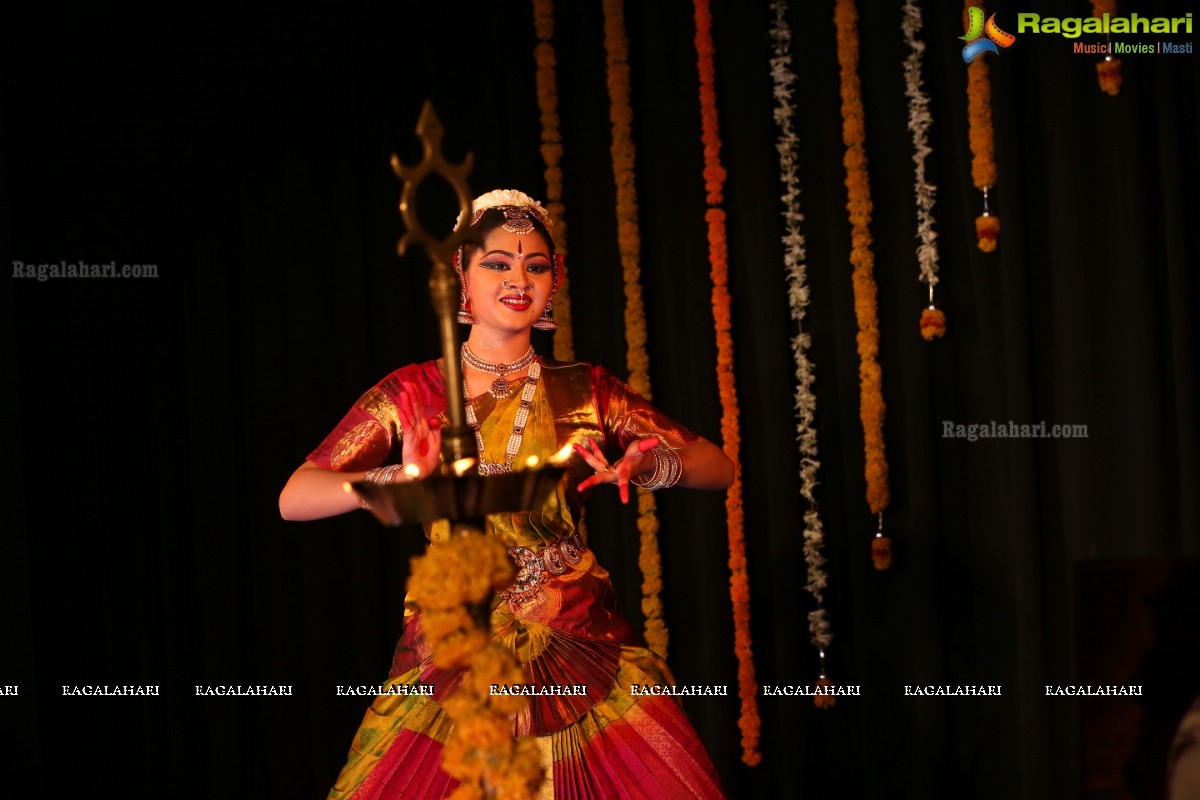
column 519, row 211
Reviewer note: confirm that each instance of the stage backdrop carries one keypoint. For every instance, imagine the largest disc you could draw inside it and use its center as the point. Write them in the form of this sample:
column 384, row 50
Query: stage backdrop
column 241, row 150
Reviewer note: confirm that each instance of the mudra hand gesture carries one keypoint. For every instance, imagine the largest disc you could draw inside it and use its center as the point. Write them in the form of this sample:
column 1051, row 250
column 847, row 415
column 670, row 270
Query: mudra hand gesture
column 422, row 437
column 634, row 462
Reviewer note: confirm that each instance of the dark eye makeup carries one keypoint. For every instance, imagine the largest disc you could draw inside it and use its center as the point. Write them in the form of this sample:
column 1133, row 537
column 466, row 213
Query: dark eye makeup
column 500, row 266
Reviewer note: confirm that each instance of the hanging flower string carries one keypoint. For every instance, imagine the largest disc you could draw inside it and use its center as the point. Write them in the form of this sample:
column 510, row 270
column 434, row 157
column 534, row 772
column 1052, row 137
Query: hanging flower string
column 1108, row 71
column 739, row 582
column 616, row 45
column 983, row 148
column 858, row 185
column 452, row 584
column 933, row 321
column 796, row 269
column 552, row 150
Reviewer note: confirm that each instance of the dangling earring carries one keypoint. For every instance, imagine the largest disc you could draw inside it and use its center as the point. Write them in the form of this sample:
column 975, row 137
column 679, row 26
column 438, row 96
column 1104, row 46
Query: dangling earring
column 464, row 305
column 545, row 323
column 464, row 312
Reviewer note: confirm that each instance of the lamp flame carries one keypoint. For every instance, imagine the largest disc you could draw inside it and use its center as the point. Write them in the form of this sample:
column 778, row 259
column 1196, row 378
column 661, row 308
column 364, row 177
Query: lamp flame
column 562, row 455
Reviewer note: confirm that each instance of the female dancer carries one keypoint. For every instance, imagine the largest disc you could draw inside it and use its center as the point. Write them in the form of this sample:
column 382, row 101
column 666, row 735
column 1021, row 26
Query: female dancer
column 559, row 617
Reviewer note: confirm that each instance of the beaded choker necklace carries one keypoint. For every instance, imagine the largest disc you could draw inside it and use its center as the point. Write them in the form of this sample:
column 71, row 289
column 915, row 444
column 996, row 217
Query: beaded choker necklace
column 518, row 431
column 500, row 387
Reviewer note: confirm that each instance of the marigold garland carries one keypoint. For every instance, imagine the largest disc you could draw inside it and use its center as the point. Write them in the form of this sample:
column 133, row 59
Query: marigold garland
column 881, row 551
column 987, row 230
column 552, row 150
column 919, row 121
column 871, row 405
column 982, row 137
column 616, row 46
column 452, row 584
column 796, row 269
column 739, row 581
column 823, row 696
column 933, row 323
column 1108, row 71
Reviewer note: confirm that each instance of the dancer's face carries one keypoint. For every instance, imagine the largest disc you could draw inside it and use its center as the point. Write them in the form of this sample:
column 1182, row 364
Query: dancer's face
column 509, row 280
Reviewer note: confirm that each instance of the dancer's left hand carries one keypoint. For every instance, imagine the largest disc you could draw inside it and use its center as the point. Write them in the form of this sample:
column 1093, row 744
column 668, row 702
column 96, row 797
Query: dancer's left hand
column 634, row 462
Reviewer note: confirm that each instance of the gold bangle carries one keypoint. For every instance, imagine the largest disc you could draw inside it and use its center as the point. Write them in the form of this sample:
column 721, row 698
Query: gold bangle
column 380, row 476
column 668, row 468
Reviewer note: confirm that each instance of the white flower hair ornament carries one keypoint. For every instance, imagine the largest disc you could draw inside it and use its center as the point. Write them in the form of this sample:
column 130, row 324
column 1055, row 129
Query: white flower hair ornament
column 517, row 207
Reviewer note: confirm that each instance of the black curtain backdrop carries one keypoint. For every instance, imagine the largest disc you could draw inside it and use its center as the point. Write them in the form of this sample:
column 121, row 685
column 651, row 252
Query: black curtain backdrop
column 243, row 150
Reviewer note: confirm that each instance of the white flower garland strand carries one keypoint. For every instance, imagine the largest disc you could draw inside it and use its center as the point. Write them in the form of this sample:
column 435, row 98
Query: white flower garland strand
column 798, row 297
column 919, row 120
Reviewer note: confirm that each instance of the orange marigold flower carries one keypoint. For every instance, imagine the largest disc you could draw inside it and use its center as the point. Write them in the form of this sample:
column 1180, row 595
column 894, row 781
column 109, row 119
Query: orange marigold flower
column 439, row 623
column 458, row 648
column 462, row 760
column 486, row 732
column 1108, row 72
column 881, row 552
column 461, row 705
column 933, row 323
column 491, row 665
column 820, row 698
column 987, row 228
column 465, row 569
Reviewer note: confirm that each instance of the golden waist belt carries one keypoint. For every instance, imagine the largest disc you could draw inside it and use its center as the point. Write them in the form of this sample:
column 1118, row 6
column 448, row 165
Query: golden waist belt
column 534, row 569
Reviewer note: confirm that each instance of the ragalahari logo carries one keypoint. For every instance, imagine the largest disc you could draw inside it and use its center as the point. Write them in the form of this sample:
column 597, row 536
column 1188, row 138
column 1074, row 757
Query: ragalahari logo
column 976, row 28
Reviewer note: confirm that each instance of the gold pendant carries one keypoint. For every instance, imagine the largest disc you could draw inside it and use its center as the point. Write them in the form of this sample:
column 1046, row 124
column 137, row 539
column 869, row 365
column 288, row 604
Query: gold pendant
column 487, row 468
column 500, row 389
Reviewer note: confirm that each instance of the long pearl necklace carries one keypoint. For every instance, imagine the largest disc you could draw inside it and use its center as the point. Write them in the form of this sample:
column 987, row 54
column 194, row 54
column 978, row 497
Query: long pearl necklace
column 518, row 431
column 500, row 387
